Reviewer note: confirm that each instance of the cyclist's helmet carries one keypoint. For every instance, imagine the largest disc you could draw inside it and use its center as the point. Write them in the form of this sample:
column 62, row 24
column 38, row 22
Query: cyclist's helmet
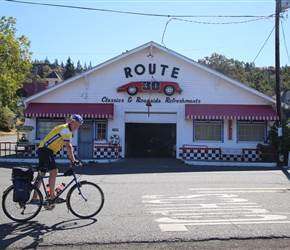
column 77, row 118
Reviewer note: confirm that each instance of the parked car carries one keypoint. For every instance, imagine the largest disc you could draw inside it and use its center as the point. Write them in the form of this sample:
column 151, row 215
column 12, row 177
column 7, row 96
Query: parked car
column 169, row 88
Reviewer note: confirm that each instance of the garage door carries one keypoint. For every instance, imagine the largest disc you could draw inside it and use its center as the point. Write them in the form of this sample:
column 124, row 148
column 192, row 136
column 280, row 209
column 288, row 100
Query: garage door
column 149, row 139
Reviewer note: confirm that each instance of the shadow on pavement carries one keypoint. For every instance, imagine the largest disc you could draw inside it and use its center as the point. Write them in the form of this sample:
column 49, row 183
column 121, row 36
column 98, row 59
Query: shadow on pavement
column 156, row 165
column 147, row 165
column 11, row 234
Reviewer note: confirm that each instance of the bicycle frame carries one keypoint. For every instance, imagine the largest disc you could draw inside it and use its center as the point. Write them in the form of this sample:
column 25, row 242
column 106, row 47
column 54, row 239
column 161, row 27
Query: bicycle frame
column 74, row 180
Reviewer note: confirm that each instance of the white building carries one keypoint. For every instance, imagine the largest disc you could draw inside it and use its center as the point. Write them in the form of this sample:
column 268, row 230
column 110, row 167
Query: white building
column 52, row 79
column 212, row 117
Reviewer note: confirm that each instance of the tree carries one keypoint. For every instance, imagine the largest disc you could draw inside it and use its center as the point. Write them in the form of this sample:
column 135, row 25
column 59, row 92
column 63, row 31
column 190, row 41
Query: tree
column 14, row 61
column 46, row 61
column 281, row 143
column 56, row 63
column 261, row 79
column 69, row 70
column 5, row 116
column 229, row 67
column 90, row 66
column 79, row 67
column 285, row 77
column 34, row 76
column 85, row 67
column 44, row 71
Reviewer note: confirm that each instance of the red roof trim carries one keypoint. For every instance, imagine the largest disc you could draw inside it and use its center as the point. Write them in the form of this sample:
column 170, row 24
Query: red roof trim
column 230, row 112
column 61, row 110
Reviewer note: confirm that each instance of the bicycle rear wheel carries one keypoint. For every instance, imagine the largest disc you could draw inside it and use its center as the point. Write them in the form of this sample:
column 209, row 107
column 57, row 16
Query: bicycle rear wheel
column 87, row 202
column 21, row 211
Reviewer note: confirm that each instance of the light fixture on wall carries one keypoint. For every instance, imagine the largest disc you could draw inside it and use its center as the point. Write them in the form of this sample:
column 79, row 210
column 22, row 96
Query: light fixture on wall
column 150, row 55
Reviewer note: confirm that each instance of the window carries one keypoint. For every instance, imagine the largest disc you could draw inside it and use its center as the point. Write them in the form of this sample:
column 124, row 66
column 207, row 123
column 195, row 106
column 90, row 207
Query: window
column 251, row 130
column 101, row 130
column 44, row 126
column 208, row 130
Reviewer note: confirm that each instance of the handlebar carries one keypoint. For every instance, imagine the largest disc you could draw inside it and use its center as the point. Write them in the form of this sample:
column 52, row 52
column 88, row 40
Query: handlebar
column 77, row 163
column 70, row 170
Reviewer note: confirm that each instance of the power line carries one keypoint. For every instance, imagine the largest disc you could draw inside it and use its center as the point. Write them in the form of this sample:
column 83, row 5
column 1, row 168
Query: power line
column 264, row 44
column 128, row 12
column 285, row 43
column 214, row 23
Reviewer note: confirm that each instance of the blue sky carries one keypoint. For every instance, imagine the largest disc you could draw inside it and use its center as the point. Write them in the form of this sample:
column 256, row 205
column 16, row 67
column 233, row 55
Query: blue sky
column 96, row 36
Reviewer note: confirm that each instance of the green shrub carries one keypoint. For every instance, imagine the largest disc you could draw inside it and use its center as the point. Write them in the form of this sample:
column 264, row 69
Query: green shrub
column 5, row 116
column 281, row 144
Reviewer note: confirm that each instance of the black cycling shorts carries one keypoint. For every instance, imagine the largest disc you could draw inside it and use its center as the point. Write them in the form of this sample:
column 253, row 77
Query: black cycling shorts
column 46, row 160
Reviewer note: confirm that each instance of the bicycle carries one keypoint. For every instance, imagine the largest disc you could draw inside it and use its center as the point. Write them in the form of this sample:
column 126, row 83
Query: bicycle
column 84, row 199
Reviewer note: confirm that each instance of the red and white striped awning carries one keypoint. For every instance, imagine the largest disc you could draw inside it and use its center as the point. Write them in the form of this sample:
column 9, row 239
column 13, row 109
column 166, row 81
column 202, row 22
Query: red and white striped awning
column 60, row 110
column 230, row 112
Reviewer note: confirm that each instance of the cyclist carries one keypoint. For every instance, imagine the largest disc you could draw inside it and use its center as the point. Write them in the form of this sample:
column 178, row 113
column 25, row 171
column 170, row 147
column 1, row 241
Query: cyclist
column 57, row 138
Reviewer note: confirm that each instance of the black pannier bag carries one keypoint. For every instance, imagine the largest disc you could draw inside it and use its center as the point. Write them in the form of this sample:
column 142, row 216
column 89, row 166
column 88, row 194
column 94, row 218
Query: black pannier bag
column 22, row 177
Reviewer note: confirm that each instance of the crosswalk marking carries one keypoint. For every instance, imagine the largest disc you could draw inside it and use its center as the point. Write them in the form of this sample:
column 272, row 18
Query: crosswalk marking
column 182, row 227
column 209, row 207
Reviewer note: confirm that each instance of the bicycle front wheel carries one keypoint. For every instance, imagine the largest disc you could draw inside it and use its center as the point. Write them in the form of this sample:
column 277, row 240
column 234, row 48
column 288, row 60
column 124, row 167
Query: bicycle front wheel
column 21, row 211
column 85, row 199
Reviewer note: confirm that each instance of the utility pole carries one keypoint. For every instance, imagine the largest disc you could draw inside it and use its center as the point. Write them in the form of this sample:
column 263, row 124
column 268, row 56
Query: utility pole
column 277, row 63
column 278, row 83
column 281, row 5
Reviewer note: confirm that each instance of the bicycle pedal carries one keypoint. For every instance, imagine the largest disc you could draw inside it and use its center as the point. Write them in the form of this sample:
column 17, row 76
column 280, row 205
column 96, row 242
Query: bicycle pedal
column 48, row 206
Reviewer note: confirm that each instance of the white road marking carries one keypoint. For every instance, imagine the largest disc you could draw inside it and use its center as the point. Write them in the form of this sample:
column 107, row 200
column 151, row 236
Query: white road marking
column 183, row 228
column 210, row 207
column 241, row 190
column 196, row 222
